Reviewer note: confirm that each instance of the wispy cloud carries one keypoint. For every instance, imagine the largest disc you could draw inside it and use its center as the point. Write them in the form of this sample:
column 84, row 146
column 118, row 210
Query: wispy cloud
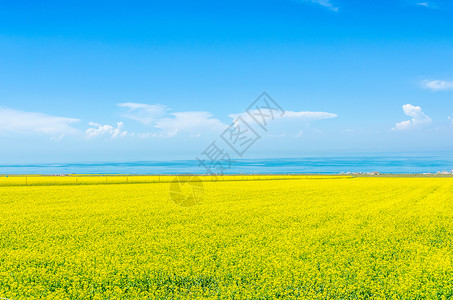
column 195, row 123
column 291, row 123
column 419, row 119
column 143, row 113
column 192, row 122
column 427, row 4
column 325, row 3
column 106, row 130
column 310, row 115
column 306, row 116
column 171, row 124
column 33, row 122
column 437, row 85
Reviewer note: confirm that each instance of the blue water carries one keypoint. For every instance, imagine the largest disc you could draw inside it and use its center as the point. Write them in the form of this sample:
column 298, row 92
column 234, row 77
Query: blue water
column 402, row 164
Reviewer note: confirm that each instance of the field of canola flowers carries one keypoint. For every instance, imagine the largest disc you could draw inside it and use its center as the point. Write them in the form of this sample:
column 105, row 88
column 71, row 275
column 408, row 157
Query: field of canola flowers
column 309, row 237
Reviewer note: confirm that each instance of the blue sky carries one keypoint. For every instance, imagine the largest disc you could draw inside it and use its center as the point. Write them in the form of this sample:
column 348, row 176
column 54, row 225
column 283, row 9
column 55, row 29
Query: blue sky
column 160, row 80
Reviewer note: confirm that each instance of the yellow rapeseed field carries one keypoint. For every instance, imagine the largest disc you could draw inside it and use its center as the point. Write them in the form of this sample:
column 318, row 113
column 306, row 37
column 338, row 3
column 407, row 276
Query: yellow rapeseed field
column 249, row 238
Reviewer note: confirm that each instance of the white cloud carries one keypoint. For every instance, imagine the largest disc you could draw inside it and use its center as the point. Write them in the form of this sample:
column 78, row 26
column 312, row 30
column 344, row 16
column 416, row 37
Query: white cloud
column 32, row 122
column 437, row 85
column 170, row 124
column 301, row 115
column 325, row 3
column 425, row 4
column 451, row 121
column 102, row 130
column 293, row 123
column 419, row 119
column 309, row 115
column 193, row 122
column 143, row 113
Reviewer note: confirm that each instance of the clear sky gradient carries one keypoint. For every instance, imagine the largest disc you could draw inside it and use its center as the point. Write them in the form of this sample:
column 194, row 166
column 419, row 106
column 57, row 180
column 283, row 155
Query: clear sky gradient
column 160, row 80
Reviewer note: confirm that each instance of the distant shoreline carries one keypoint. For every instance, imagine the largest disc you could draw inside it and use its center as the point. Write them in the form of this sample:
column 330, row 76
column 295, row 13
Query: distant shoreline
column 423, row 164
